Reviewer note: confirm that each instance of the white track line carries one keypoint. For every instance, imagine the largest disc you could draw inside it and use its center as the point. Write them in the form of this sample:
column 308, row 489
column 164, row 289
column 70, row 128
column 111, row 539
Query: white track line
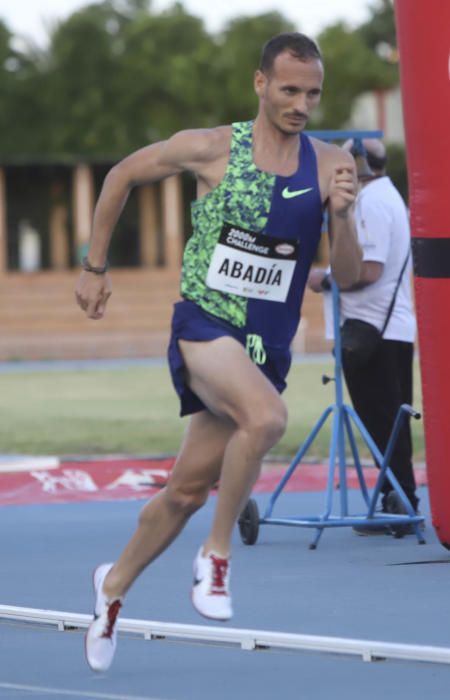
column 244, row 638
column 27, row 464
column 72, row 693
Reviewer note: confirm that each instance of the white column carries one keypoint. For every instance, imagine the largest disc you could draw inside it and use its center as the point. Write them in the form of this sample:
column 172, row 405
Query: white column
column 148, row 225
column 59, row 237
column 172, row 221
column 83, row 207
column 3, row 225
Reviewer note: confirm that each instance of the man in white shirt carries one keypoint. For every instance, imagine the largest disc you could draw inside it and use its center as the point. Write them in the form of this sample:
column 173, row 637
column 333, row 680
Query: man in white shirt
column 380, row 384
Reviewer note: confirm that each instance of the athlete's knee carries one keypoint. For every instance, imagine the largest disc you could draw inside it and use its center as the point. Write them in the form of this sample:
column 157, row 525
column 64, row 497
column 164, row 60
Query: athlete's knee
column 268, row 422
column 187, row 497
column 277, row 421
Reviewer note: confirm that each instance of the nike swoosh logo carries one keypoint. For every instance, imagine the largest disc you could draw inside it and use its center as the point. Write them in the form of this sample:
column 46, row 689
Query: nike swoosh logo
column 288, row 194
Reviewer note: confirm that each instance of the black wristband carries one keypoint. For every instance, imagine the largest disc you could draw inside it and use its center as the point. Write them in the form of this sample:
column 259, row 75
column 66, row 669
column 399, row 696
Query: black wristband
column 90, row 268
column 326, row 282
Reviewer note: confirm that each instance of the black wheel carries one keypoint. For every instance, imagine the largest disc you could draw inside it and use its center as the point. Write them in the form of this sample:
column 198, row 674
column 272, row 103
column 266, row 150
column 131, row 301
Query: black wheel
column 249, row 523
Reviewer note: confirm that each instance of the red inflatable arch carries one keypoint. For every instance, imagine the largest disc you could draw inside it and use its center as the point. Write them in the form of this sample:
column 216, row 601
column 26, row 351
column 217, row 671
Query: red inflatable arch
column 423, row 31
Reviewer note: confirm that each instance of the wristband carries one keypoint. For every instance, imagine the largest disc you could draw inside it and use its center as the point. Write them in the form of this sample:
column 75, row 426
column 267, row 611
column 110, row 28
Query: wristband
column 90, row 268
column 326, row 283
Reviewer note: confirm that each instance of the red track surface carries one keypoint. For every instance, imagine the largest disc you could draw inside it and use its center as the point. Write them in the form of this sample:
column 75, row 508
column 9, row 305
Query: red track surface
column 128, row 479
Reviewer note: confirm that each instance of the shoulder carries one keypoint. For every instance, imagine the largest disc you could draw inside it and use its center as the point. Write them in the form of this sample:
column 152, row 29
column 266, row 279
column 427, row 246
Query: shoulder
column 199, row 145
column 384, row 187
column 330, row 159
column 329, row 156
column 375, row 211
column 381, row 192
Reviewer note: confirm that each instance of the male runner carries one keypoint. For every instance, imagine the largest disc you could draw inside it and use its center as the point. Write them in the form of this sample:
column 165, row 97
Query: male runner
column 261, row 190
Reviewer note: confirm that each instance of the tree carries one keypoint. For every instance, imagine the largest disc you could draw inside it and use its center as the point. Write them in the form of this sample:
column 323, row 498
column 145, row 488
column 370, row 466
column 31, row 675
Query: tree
column 82, row 92
column 238, row 57
column 380, row 28
column 166, row 75
column 7, row 63
column 117, row 75
column 19, row 87
column 351, row 68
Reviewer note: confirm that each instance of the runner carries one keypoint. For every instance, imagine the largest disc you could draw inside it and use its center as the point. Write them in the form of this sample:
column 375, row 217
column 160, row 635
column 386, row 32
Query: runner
column 262, row 187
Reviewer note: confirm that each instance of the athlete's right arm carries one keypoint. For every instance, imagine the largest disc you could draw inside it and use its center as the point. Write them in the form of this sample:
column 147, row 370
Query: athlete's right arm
column 192, row 150
column 186, row 150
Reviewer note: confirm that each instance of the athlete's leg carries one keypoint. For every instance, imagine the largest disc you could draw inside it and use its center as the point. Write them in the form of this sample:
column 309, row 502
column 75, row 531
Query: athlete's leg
column 247, row 417
column 197, row 469
column 232, row 387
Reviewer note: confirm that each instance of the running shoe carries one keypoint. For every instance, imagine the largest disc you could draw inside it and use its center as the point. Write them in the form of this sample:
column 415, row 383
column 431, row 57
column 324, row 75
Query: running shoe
column 101, row 637
column 210, row 591
column 369, row 530
column 395, row 506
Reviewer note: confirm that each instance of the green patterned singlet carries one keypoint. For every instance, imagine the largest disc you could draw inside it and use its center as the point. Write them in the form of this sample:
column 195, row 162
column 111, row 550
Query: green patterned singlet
column 242, row 198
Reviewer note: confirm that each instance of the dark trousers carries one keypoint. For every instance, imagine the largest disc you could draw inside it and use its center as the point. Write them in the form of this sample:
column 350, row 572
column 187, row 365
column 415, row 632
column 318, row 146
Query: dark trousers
column 377, row 389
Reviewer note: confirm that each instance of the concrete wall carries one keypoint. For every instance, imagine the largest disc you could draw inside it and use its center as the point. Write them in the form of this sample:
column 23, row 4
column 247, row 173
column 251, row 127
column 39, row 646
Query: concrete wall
column 380, row 110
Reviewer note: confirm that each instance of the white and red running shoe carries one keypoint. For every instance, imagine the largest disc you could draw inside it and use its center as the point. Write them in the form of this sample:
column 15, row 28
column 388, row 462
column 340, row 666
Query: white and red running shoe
column 101, row 637
column 210, row 591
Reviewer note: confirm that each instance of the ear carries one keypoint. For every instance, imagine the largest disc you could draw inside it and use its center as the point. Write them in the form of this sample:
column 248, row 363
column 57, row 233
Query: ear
column 260, row 83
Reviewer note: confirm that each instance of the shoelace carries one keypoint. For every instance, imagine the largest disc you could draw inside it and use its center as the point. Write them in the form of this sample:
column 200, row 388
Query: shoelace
column 220, row 568
column 113, row 611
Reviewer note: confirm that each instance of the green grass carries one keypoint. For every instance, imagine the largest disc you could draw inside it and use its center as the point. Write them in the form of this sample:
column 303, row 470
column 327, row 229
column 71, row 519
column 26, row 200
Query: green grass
column 307, row 397
column 135, row 411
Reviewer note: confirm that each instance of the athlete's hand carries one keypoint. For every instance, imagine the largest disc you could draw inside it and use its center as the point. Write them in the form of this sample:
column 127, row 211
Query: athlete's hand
column 342, row 191
column 315, row 277
column 92, row 292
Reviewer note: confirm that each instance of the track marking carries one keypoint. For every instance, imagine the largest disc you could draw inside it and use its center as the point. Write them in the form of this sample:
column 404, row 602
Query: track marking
column 12, row 465
column 73, row 693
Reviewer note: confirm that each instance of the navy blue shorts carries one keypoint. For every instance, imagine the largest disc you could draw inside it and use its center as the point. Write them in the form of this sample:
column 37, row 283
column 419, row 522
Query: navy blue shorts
column 190, row 322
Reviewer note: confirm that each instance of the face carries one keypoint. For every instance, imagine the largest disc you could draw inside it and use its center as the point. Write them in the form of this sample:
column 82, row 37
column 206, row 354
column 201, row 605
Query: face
column 290, row 92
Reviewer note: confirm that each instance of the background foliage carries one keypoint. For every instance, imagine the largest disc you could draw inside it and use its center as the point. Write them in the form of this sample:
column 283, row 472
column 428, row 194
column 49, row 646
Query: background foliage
column 117, row 75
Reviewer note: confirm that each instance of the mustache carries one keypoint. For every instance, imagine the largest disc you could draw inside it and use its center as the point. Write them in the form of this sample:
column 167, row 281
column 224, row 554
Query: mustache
column 297, row 115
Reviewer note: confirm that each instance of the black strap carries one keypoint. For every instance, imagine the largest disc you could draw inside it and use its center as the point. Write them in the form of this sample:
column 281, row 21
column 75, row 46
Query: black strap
column 86, row 265
column 391, row 306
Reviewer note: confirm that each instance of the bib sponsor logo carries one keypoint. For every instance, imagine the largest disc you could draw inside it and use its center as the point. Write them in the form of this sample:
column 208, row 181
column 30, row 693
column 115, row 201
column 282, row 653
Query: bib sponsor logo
column 284, row 248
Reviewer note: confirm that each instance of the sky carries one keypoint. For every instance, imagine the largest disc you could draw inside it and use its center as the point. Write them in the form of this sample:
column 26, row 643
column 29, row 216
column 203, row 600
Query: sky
column 30, row 18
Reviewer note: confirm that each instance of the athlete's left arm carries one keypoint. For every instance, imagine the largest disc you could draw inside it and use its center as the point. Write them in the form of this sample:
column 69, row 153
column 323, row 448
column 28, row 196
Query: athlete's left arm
column 345, row 251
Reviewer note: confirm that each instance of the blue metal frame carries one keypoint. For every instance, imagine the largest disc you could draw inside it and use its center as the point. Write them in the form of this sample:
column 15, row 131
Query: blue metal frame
column 342, row 427
column 343, row 415
column 344, row 135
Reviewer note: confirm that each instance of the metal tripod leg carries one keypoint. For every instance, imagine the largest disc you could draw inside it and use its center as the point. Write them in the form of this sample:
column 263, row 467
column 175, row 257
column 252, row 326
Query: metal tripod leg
column 386, row 471
column 343, row 416
column 296, row 460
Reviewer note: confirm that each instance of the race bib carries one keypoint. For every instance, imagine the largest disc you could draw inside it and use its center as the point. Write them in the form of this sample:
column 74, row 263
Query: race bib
column 252, row 265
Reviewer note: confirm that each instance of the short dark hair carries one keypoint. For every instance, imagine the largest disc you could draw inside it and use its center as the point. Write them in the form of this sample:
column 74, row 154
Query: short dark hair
column 375, row 162
column 299, row 45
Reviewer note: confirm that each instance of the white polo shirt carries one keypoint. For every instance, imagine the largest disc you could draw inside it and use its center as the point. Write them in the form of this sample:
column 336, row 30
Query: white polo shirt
column 384, row 235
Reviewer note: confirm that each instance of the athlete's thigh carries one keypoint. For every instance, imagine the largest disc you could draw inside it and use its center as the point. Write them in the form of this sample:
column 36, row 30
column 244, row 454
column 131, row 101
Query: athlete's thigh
column 221, row 373
column 200, row 457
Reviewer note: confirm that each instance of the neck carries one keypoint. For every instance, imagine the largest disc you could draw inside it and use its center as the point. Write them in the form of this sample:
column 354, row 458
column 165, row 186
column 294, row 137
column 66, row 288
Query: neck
column 279, row 141
column 274, row 150
column 365, row 179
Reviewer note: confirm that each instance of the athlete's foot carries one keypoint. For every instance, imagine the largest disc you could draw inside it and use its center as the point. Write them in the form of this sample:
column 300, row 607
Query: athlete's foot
column 101, row 636
column 210, row 591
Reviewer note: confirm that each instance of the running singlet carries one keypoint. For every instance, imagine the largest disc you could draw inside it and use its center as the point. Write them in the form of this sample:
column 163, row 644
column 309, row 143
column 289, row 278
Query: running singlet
column 254, row 239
